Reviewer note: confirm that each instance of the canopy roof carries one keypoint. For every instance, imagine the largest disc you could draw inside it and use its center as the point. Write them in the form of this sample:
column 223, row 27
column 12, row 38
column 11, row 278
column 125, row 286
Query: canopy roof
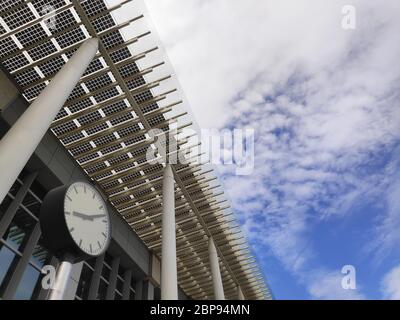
column 105, row 126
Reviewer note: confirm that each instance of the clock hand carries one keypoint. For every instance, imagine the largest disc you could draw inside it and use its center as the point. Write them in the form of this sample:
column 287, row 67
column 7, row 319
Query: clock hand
column 82, row 215
column 94, row 216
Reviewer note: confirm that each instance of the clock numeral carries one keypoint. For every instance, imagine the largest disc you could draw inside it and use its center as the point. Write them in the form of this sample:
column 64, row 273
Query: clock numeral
column 101, row 207
column 84, row 189
column 94, row 195
column 69, row 198
column 76, row 191
column 91, row 250
column 105, row 236
column 80, row 242
column 98, row 242
column 67, row 213
column 71, row 229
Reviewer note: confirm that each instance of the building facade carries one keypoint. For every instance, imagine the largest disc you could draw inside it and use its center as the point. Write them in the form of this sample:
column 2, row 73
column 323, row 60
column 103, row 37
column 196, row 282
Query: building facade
column 128, row 270
column 80, row 100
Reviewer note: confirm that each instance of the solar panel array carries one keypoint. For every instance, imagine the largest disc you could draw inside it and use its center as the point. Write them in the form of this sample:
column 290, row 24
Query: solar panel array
column 105, row 126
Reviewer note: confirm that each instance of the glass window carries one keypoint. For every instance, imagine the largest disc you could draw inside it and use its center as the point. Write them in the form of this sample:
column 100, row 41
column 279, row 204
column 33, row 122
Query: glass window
column 32, row 204
column 121, row 271
column 38, row 287
column 6, row 259
column 101, row 295
column 8, row 199
column 27, row 284
column 105, row 272
column 108, row 259
column 19, row 229
column 84, row 282
column 40, row 254
column 38, row 190
column 117, row 296
column 120, row 285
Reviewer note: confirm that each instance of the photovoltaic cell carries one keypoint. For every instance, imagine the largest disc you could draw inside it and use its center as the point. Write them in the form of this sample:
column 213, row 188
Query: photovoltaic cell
column 41, row 5
column 30, row 35
column 27, row 77
column 18, row 17
column 71, row 37
column 6, row 5
column 76, row 93
column 114, row 107
column 81, row 105
column 63, row 20
column 52, row 66
column 98, row 82
column 42, row 50
column 94, row 66
column 16, row 62
column 103, row 23
column 34, row 91
column 7, row 46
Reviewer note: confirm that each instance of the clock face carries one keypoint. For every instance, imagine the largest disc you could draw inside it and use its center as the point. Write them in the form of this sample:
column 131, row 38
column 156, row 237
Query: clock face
column 87, row 218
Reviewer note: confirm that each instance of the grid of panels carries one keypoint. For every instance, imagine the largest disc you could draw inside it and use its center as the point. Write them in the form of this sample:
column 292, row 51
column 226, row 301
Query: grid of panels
column 102, row 126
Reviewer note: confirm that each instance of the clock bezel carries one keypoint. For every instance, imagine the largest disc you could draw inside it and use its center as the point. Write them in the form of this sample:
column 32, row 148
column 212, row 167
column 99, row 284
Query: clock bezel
column 92, row 187
column 56, row 236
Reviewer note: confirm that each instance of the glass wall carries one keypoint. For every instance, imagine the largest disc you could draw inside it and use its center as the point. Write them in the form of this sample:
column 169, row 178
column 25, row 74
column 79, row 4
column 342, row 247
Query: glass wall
column 22, row 256
column 21, row 253
column 88, row 274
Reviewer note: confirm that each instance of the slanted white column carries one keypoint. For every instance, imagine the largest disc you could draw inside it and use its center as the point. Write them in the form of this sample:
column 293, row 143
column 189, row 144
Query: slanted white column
column 215, row 271
column 240, row 295
column 169, row 278
column 24, row 136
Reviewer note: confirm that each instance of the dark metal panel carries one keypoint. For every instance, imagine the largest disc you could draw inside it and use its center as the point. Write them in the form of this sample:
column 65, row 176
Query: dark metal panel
column 126, row 290
column 95, row 281
column 113, row 279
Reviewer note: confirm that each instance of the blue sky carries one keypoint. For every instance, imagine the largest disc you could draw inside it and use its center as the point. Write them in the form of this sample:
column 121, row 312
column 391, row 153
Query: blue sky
column 325, row 106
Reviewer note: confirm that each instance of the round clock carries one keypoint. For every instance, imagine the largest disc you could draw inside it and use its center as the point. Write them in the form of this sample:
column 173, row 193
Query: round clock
column 75, row 222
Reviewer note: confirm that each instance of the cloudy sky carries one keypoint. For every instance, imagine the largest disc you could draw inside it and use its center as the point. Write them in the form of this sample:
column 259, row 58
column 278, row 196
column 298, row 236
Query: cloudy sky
column 325, row 106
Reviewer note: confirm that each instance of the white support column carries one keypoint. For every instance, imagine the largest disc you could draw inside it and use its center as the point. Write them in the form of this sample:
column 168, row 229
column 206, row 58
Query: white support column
column 169, row 277
column 240, row 295
column 215, row 271
column 24, row 136
column 63, row 276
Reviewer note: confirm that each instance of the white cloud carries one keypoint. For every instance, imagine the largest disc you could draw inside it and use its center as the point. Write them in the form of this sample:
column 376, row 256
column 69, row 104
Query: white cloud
column 390, row 285
column 387, row 231
column 324, row 103
column 220, row 47
column 328, row 286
